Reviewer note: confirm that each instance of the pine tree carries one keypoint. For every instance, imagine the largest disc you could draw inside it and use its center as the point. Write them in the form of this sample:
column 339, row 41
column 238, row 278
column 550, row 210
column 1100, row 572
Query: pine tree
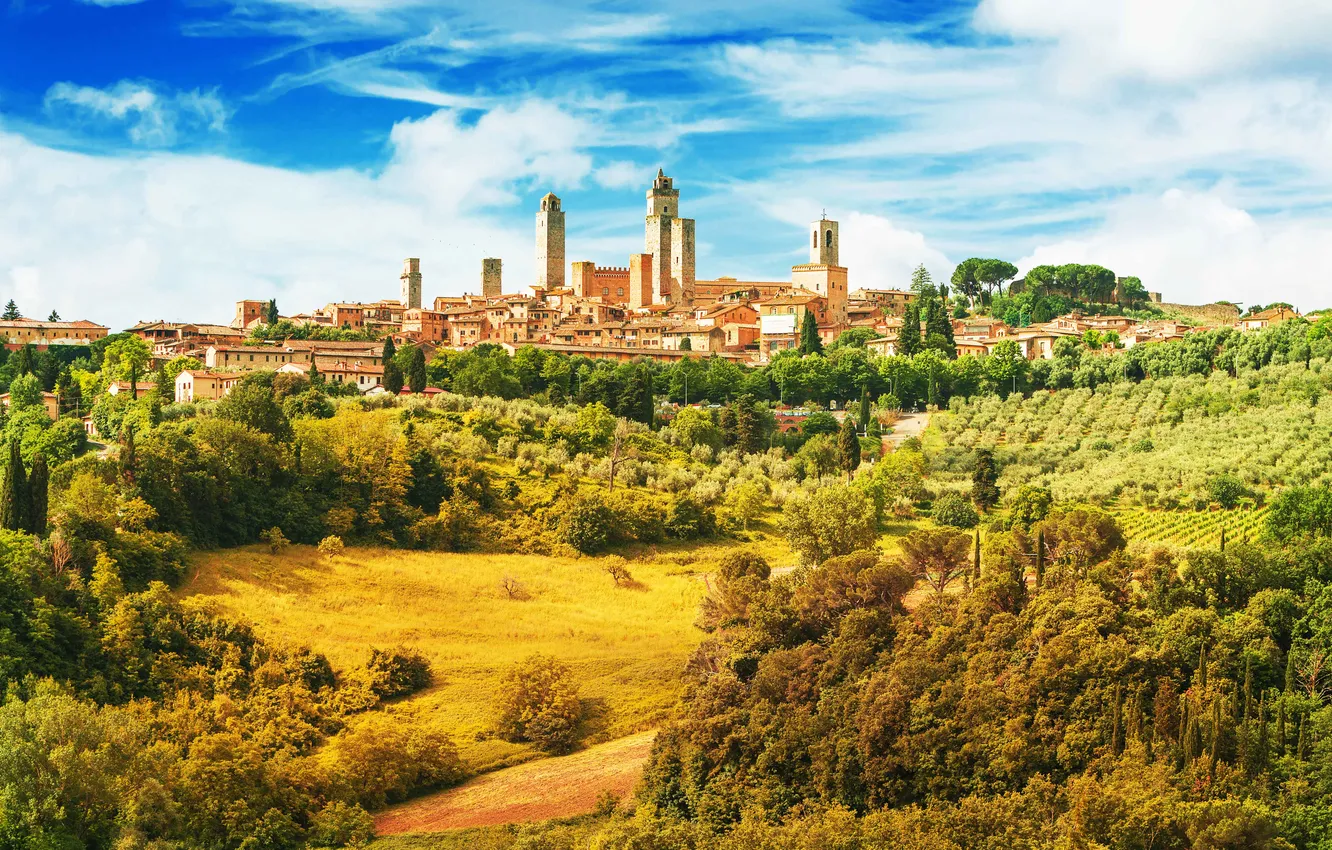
column 392, row 376
column 416, row 371
column 848, row 447
column 37, row 486
column 908, row 339
column 809, row 335
column 11, row 312
column 922, row 283
column 54, row 317
column 15, row 499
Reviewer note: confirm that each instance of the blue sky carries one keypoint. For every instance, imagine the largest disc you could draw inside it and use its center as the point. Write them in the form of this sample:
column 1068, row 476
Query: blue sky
column 161, row 160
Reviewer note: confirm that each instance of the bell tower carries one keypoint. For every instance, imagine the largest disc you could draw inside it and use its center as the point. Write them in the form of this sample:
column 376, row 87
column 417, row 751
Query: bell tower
column 824, row 242
column 550, row 243
column 411, row 283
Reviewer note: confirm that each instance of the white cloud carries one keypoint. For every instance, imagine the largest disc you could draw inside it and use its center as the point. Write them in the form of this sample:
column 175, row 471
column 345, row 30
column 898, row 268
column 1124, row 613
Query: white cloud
column 166, row 235
column 150, row 118
column 1198, row 247
column 1168, row 40
column 880, row 255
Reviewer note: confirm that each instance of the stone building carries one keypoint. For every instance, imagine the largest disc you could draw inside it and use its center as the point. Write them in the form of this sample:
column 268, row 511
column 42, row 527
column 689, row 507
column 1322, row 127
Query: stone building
column 670, row 240
column 492, row 285
column 411, row 283
column 823, row 274
column 550, row 243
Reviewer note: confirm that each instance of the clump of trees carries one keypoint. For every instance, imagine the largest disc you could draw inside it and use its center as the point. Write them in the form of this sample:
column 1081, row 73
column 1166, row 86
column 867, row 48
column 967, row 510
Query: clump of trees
column 538, row 703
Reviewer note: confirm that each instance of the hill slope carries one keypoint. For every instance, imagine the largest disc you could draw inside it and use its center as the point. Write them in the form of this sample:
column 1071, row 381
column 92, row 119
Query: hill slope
column 626, row 647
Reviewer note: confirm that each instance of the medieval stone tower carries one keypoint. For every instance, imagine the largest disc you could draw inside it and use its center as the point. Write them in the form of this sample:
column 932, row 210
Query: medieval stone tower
column 824, row 273
column 550, row 243
column 824, row 242
column 491, row 277
column 670, row 241
column 411, row 283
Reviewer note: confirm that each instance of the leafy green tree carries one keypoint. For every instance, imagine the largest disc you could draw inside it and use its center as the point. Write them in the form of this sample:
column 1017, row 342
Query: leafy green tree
column 538, row 702
column 1030, row 504
column 252, row 404
column 809, row 335
column 126, row 358
column 831, row 521
column 1005, row 368
column 25, row 393
column 687, row 344
column 955, row 511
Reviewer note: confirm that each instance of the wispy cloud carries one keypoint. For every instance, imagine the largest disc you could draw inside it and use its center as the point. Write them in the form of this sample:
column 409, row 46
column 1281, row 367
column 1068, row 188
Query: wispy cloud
column 149, row 117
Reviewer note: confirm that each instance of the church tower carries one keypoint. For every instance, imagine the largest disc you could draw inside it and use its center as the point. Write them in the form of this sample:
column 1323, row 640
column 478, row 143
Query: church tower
column 824, row 273
column 670, row 241
column 824, row 242
column 550, row 243
column 411, row 283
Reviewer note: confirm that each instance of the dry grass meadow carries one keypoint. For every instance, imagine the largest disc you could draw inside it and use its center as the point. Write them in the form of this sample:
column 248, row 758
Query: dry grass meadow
column 626, row 647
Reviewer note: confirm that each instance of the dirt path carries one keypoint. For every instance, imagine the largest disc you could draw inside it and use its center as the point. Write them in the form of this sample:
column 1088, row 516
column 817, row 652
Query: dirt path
column 538, row 790
column 908, row 425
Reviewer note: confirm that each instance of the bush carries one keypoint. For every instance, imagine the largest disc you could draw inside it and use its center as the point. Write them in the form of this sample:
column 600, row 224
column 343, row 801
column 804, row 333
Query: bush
column 331, row 547
column 397, row 672
column 538, row 703
column 341, row 825
column 276, row 540
column 954, row 510
column 585, row 523
column 686, row 519
column 617, row 568
column 381, row 759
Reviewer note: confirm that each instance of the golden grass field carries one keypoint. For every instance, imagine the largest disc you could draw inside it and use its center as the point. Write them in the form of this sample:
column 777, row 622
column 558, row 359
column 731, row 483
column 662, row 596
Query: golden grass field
column 626, row 647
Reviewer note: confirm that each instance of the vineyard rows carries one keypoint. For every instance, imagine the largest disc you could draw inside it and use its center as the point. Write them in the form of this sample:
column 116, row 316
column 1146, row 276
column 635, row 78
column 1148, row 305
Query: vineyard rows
column 1191, row 528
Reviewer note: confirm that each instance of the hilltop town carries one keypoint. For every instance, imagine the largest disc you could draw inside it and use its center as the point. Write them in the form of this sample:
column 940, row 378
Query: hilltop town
column 653, row 307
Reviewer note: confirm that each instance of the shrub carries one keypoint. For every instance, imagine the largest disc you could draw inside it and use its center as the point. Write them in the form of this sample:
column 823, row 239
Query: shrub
column 686, row 519
column 276, row 540
column 585, row 522
column 397, row 672
column 538, row 703
column 331, row 547
column 954, row 510
column 617, row 568
column 381, row 759
column 341, row 825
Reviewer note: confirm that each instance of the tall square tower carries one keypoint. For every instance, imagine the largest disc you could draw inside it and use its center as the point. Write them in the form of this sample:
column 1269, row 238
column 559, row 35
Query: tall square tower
column 491, row 277
column 670, row 241
column 411, row 283
column 550, row 243
column 824, row 242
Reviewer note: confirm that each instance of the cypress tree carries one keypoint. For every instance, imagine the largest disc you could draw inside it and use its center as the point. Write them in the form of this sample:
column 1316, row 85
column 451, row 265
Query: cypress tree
column 1201, row 676
column 390, row 350
column 127, row 458
column 865, row 408
column 1040, row 558
column 976, row 556
column 648, row 414
column 1290, row 671
column 1281, row 729
column 1248, row 689
column 24, row 363
column 985, row 481
column 1261, row 746
column 1300, row 752
column 848, row 447
column 809, row 335
column 1223, row 541
column 1217, row 721
column 37, row 485
column 416, row 371
column 392, row 377
column 316, row 379
column 746, row 424
column 908, row 339
column 1117, row 722
column 15, row 501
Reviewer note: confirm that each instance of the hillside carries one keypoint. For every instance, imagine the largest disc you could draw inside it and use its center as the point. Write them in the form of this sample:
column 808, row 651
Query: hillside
column 1152, row 444
column 626, row 647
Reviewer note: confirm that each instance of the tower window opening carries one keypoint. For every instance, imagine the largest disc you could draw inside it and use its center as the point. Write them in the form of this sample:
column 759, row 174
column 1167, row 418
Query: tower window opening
column 827, row 240
column 816, row 239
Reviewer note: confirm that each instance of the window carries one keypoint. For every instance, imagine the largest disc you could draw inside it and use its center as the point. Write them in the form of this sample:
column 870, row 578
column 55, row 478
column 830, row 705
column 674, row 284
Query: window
column 816, row 239
column 827, row 240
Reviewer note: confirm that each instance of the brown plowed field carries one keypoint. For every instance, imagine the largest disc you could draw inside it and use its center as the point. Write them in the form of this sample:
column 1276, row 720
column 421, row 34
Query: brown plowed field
column 538, row 790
